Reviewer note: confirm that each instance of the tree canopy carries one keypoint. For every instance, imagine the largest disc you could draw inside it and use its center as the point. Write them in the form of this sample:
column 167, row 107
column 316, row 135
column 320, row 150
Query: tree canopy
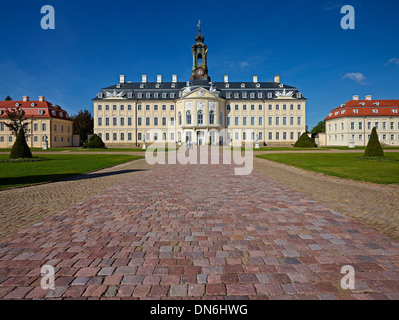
column 319, row 128
column 83, row 125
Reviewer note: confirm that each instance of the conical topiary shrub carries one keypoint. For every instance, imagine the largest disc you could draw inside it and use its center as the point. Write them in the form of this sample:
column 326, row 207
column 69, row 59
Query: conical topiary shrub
column 374, row 148
column 305, row 142
column 20, row 148
column 94, row 142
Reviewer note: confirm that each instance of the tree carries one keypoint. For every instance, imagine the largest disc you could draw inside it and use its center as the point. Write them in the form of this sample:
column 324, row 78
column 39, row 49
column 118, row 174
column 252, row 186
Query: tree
column 374, row 148
column 305, row 142
column 319, row 128
column 8, row 98
column 20, row 148
column 83, row 125
column 94, row 142
column 16, row 120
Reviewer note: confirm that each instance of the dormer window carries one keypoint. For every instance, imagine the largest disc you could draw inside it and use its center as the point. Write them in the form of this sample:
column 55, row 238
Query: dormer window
column 156, row 95
column 130, row 95
column 172, row 95
column 355, row 111
column 141, row 86
column 395, row 111
column 258, row 85
column 157, row 86
column 270, row 95
column 140, row 95
column 227, row 85
column 375, row 111
column 164, row 95
column 228, row 95
column 242, row 85
column 376, row 103
column 100, row 95
column 33, row 104
column 148, row 95
column 17, row 104
column 41, row 112
column 54, row 113
column 281, row 85
column 343, row 111
column 61, row 114
column 173, row 85
column 118, row 86
column 362, row 103
column 336, row 113
column 299, row 95
column 236, row 95
column 252, row 95
column 330, row 115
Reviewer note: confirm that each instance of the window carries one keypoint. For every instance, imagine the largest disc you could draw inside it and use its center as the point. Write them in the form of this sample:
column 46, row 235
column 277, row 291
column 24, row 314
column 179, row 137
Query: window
column 377, row 126
column 106, row 107
column 139, row 107
column 164, row 136
column 260, row 95
column 228, row 121
column 244, row 136
column 277, row 121
column 270, row 136
column 342, row 125
column 35, row 139
column 384, row 125
column 360, row 125
column 164, row 107
column 292, row 121
column 244, row 121
column 236, row 107
column 129, row 136
column 122, row 121
column 284, row 135
column 10, row 139
column 172, row 136
column 2, row 126
column 114, row 121
column 107, row 136
column 392, row 137
column 277, row 107
column 155, row 121
column 260, row 136
column 55, row 127
column 212, row 117
column 139, row 137
column 252, row 121
column 147, row 121
column 291, row 136
column 360, row 137
column 270, row 121
column 147, row 107
column 291, row 107
column 299, row 121
column 114, row 107
column 100, row 121
column 384, row 137
column 139, row 121
column 106, row 121
column 179, row 118
column 392, row 125
column 277, row 135
column 114, row 136
column 172, row 107
column 200, row 118
column 129, row 107
column 270, row 107
column 236, row 136
column 284, row 121
column 122, row 107
column 188, row 117
column 155, row 136
column 284, row 107
column 252, row 107
column 352, row 126
column 244, row 107
column 236, row 121
column 122, row 136
column 100, row 107
column 164, row 121
column 155, row 107
column 299, row 107
column 228, row 108
column 129, row 121
column 35, row 127
column 368, row 125
column 260, row 107
column 260, row 121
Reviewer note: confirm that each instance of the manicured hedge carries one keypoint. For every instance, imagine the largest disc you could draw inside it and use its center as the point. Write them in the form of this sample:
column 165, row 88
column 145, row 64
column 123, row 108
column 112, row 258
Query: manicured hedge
column 94, row 142
column 374, row 148
column 20, row 148
column 305, row 142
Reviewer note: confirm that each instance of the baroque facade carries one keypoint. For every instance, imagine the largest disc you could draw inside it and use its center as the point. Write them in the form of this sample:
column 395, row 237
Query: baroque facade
column 354, row 121
column 199, row 110
column 46, row 122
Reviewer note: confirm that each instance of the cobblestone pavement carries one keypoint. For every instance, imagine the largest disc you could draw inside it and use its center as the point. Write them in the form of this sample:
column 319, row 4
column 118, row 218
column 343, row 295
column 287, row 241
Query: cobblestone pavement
column 26, row 206
column 374, row 205
column 199, row 231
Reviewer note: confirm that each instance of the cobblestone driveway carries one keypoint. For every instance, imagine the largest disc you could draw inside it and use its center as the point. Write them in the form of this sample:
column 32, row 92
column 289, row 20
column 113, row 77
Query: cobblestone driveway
column 198, row 231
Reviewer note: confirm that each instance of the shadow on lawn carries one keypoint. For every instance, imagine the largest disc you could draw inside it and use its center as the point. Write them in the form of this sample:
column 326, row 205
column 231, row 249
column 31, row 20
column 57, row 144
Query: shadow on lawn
column 29, row 180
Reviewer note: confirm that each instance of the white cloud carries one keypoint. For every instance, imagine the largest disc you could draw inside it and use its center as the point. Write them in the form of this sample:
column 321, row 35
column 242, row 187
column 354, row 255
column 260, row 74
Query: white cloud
column 392, row 61
column 244, row 64
column 358, row 77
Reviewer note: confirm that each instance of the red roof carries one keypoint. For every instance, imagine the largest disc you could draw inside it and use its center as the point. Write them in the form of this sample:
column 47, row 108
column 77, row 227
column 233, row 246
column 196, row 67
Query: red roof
column 365, row 108
column 34, row 109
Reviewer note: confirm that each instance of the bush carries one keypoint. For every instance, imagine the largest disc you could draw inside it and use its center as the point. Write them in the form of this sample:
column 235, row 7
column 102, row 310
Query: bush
column 20, row 148
column 374, row 148
column 94, row 142
column 305, row 142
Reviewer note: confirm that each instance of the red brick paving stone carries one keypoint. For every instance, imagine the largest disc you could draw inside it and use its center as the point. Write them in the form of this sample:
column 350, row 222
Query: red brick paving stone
column 18, row 293
column 248, row 245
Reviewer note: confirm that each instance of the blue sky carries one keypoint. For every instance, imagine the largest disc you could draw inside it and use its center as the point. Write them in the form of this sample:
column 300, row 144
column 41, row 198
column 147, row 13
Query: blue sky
column 300, row 40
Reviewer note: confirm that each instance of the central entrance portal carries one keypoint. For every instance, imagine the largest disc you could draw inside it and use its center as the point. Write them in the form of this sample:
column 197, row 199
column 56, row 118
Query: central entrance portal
column 200, row 138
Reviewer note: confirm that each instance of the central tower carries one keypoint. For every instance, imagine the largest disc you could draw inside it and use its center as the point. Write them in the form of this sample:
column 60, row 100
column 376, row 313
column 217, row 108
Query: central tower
column 200, row 52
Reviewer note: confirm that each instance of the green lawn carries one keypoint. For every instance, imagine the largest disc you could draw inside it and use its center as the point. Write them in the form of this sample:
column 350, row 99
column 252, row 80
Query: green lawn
column 349, row 166
column 58, row 167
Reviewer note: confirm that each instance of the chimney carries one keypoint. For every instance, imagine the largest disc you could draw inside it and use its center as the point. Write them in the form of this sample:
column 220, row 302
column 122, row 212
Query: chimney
column 122, row 79
column 369, row 97
column 226, row 79
column 159, row 79
column 144, row 78
column 41, row 98
column 25, row 98
column 174, row 78
column 277, row 79
column 356, row 98
column 255, row 78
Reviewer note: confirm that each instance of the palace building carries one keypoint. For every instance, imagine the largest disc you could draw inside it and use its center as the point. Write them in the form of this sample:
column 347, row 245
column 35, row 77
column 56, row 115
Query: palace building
column 46, row 122
column 354, row 121
column 199, row 110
